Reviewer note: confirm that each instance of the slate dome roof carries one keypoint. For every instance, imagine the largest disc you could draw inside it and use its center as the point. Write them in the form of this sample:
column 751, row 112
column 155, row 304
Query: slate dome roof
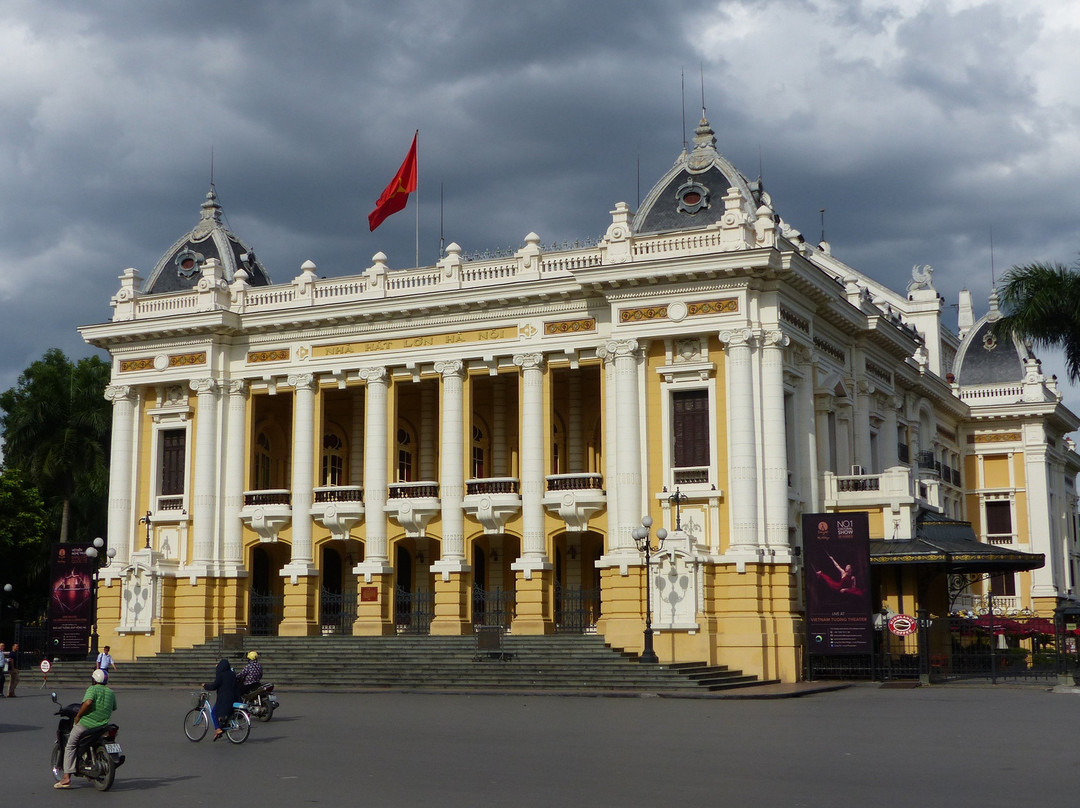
column 691, row 194
column 984, row 358
column 178, row 268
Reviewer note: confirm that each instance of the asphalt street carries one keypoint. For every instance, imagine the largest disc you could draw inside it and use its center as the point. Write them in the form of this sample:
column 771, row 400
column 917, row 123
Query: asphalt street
column 932, row 746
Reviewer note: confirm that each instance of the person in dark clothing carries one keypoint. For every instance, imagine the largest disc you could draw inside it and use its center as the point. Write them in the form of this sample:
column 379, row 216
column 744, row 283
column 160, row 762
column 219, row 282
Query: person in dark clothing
column 228, row 693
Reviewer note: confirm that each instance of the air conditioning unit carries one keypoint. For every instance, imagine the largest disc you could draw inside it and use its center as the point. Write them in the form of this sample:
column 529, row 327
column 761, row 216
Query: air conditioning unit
column 856, row 471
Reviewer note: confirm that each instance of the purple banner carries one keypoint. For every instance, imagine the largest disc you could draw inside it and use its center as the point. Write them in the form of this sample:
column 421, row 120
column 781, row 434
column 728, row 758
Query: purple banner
column 70, row 600
column 837, row 551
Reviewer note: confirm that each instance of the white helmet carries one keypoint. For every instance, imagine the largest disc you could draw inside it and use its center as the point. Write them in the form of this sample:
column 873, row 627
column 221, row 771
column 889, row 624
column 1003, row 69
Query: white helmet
column 99, row 676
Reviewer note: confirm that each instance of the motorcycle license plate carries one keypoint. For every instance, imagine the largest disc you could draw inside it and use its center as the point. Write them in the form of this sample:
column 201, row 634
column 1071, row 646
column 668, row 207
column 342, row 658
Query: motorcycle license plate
column 113, row 748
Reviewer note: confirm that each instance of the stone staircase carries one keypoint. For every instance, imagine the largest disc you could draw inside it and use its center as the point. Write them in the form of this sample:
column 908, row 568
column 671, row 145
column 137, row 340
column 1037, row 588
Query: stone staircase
column 559, row 663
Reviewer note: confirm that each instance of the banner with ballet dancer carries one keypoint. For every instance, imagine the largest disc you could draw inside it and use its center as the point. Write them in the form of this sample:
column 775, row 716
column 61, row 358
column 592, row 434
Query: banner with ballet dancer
column 837, row 551
column 70, row 601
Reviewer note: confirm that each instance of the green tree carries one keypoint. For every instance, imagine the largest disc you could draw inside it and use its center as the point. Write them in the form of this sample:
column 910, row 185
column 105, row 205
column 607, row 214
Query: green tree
column 24, row 553
column 1041, row 303
column 56, row 425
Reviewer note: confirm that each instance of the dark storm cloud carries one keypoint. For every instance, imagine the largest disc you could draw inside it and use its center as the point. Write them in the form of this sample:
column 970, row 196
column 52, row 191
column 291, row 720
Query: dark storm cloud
column 918, row 126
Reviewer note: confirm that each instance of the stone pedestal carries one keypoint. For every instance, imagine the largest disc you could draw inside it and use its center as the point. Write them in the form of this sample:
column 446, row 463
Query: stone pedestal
column 534, row 608
column 375, row 606
column 451, row 605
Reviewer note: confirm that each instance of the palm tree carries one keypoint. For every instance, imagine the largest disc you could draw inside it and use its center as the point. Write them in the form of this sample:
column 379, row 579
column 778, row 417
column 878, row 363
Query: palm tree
column 1042, row 305
column 56, row 425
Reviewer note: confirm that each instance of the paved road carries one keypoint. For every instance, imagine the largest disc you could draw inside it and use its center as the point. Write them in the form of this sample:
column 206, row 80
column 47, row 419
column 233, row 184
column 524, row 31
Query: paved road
column 939, row 746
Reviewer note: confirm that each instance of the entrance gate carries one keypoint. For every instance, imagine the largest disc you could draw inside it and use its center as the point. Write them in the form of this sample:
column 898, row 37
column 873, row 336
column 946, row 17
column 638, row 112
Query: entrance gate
column 337, row 612
column 266, row 612
column 413, row 611
column 493, row 607
column 576, row 609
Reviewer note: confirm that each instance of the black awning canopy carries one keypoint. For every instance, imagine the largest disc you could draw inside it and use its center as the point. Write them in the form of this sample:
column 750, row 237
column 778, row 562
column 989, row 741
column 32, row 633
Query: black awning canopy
column 940, row 540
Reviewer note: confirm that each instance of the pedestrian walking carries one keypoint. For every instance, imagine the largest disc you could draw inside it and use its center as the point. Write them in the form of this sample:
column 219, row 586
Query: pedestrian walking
column 105, row 660
column 3, row 668
column 13, row 670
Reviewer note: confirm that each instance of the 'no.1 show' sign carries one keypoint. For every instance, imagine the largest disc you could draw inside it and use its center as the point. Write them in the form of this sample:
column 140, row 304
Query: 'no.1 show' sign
column 837, row 550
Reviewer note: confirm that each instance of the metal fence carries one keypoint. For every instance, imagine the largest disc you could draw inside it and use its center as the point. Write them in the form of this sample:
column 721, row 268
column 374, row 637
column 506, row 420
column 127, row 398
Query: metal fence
column 265, row 613
column 576, row 609
column 492, row 607
column 992, row 648
column 413, row 611
column 337, row 612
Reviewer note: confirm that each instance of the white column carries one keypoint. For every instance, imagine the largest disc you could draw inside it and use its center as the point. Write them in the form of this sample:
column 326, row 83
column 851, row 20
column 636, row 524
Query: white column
column 742, row 440
column 1040, row 531
column 888, row 439
column 806, row 439
column 235, row 452
column 774, row 439
column 452, row 466
column 498, row 428
column 533, row 546
column 204, row 499
column 376, row 435
column 624, row 354
column 611, row 460
column 121, row 535
column 303, row 473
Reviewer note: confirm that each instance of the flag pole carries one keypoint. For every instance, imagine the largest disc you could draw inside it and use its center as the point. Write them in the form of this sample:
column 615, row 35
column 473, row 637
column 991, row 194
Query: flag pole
column 418, row 197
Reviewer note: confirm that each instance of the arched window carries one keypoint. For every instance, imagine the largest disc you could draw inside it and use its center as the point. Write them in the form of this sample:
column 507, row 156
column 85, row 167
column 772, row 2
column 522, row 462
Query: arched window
column 405, row 448
column 333, row 456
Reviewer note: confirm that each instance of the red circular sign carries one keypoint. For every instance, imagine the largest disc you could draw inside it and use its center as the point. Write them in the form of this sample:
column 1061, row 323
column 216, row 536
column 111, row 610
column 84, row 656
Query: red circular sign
column 45, row 666
column 901, row 625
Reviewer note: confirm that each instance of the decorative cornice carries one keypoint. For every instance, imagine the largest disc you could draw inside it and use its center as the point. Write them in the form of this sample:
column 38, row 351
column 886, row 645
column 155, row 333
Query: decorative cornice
column 270, row 355
column 641, row 314
column 830, row 350
column 570, row 326
column 994, row 437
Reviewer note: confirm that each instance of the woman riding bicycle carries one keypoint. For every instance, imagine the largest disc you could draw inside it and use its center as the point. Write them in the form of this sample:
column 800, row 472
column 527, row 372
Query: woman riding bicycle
column 225, row 686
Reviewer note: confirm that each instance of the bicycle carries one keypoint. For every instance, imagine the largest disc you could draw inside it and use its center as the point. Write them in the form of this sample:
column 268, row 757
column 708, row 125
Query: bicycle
column 198, row 720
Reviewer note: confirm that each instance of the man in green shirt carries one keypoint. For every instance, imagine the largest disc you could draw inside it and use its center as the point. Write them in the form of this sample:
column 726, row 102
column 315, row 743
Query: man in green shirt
column 95, row 711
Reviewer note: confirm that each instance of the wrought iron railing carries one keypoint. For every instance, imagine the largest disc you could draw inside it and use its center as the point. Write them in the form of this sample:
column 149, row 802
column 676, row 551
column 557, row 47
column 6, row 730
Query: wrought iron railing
column 337, row 612
column 265, row 612
column 493, row 607
column 413, row 611
column 576, row 609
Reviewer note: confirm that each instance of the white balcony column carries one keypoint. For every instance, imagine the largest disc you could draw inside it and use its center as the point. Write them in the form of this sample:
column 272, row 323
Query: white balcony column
column 452, row 464
column 376, row 436
column 575, row 444
column 626, row 399
column 121, row 535
column 774, row 439
column 533, row 437
column 823, row 406
column 303, row 471
column 743, row 470
column 498, row 428
column 863, row 455
column 235, row 453
column 1039, row 517
column 204, row 496
column 843, row 438
column 356, row 442
column 428, row 413
column 610, row 459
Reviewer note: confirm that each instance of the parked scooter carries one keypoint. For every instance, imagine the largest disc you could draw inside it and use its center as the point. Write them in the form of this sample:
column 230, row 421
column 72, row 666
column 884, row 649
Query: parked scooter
column 261, row 701
column 98, row 754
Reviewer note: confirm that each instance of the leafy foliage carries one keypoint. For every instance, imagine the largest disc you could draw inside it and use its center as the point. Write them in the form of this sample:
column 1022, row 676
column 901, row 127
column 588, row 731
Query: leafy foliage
column 56, row 425
column 1042, row 304
column 24, row 550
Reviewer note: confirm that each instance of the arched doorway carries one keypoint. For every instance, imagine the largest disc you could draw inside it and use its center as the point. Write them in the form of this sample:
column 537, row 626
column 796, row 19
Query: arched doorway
column 413, row 609
column 266, row 596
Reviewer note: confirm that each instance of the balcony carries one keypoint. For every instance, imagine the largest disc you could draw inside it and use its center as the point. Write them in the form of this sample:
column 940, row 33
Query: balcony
column 492, row 500
column 412, row 505
column 267, row 512
column 338, row 508
column 575, row 497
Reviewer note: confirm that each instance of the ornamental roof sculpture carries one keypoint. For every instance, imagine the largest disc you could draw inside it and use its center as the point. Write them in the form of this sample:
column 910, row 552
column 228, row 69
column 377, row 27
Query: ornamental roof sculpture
column 178, row 269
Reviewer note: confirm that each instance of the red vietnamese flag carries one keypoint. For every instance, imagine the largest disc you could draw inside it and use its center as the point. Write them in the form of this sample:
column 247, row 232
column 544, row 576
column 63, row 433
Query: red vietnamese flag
column 397, row 192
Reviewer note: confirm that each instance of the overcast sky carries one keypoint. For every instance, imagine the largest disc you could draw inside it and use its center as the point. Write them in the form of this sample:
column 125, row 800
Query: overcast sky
column 920, row 127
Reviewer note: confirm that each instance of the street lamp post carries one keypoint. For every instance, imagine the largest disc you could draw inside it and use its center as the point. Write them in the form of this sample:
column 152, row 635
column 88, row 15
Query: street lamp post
column 644, row 544
column 94, row 552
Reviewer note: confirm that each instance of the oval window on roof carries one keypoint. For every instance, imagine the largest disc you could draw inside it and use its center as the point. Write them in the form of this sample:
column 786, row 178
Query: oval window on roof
column 692, row 197
column 187, row 263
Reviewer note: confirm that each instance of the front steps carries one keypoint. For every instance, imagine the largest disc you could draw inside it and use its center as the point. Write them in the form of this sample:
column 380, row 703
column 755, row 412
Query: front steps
column 559, row 663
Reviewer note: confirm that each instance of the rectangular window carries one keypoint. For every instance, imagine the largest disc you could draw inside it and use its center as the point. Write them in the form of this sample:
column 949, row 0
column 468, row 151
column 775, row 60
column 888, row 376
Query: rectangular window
column 690, row 429
column 999, row 518
column 1003, row 585
column 173, row 456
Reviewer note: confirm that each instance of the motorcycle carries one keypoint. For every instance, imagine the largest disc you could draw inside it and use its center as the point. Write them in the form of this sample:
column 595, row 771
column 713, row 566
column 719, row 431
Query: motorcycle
column 96, row 757
column 261, row 701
